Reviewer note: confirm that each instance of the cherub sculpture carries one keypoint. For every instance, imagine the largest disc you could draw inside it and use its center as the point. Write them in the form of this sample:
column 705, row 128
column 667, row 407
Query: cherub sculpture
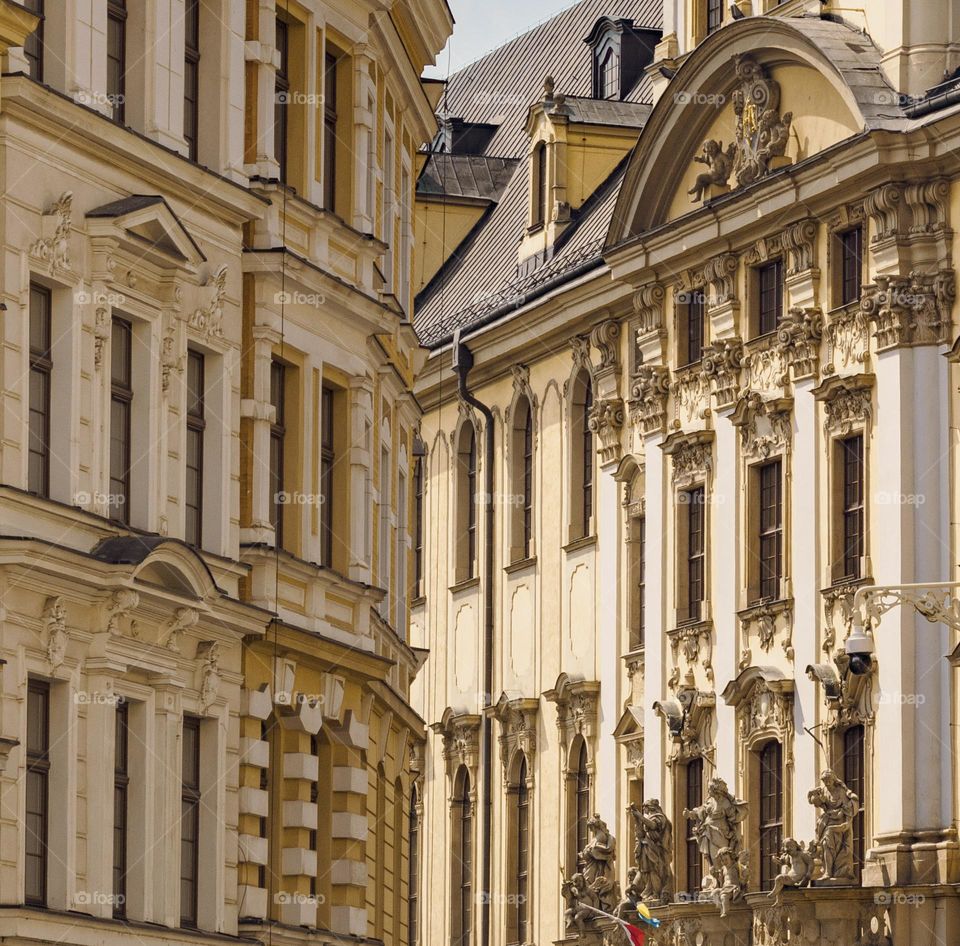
column 719, row 162
column 796, row 867
column 580, row 901
column 727, row 878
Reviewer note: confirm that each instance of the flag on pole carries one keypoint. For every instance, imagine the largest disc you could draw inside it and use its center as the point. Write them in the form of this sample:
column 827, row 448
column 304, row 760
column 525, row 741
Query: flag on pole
column 636, row 935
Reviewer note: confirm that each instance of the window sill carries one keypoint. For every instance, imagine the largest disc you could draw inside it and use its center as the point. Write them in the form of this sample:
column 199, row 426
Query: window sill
column 582, row 543
column 764, row 605
column 520, row 564
column 535, row 228
column 419, row 601
column 465, row 584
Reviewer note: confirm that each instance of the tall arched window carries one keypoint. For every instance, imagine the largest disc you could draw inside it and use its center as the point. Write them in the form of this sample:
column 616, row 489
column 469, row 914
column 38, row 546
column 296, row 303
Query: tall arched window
column 693, row 799
column 771, row 812
column 467, row 504
column 418, row 528
column 540, row 186
column 413, row 874
column 582, row 799
column 854, row 778
column 523, row 851
column 522, row 476
column 581, row 472
column 462, row 855
column 610, row 75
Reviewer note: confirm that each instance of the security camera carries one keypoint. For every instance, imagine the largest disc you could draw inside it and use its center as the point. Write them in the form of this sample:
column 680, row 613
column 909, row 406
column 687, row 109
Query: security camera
column 859, row 647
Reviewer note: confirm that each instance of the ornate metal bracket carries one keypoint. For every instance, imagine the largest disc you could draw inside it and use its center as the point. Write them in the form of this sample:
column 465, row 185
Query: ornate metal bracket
column 934, row 601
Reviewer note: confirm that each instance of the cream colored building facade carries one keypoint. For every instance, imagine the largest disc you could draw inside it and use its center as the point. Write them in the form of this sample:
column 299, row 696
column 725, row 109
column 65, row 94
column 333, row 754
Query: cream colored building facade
column 742, row 412
column 208, row 467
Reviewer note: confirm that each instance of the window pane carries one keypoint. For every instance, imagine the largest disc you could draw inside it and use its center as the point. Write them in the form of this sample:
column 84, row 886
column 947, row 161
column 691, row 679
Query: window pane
column 33, row 47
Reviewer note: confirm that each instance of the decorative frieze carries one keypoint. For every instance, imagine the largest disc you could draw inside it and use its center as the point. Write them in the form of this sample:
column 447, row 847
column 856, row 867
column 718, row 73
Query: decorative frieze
column 693, row 642
column 691, row 395
column 208, row 319
column 848, row 341
column 689, row 718
column 692, row 456
column 53, row 246
column 764, row 623
column 461, row 742
column 800, row 334
column 577, row 703
column 766, row 427
column 846, row 403
column 518, row 730
column 55, row 631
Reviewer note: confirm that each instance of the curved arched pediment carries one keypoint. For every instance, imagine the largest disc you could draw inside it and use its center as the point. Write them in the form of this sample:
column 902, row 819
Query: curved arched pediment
column 826, row 76
column 162, row 562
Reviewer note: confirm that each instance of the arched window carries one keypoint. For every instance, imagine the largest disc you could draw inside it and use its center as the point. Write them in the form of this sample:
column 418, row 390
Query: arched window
column 522, row 490
column 581, row 471
column 467, row 504
column 582, row 797
column 418, row 528
column 771, row 812
column 413, row 874
column 855, row 779
column 462, row 857
column 540, row 182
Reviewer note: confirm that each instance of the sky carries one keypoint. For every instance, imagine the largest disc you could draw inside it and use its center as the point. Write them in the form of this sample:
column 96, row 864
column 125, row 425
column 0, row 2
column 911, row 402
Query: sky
column 483, row 25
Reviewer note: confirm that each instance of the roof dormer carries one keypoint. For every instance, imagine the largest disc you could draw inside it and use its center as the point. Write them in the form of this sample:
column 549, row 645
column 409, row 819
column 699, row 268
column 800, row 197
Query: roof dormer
column 620, row 53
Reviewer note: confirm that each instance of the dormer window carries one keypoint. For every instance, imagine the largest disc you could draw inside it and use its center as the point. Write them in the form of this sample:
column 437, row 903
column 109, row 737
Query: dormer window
column 610, row 76
column 621, row 51
column 540, row 182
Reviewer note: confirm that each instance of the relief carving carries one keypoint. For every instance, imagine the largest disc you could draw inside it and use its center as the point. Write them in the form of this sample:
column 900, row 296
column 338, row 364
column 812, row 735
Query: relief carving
column 208, row 319
column 649, row 390
column 762, row 133
column 648, row 305
column 55, row 630
column 54, row 250
column 606, row 421
column 910, row 310
column 799, row 335
column 721, row 364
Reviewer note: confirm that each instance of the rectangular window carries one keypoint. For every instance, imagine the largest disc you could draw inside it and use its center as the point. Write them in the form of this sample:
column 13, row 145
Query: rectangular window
column 771, row 812
column 117, row 58
column 401, row 553
column 851, row 265
column 191, row 77
column 196, row 424
column 418, row 529
column 528, row 483
column 638, row 553
column 714, row 15
column 695, row 563
column 694, row 799
column 471, row 499
column 769, row 481
column 523, row 855
column 281, row 114
column 41, row 366
column 770, row 304
column 850, row 525
column 278, row 432
column 121, row 409
column 327, row 458
column 37, row 811
column 33, row 46
column 587, row 459
column 330, row 132
column 190, row 823
column 853, row 777
column 121, row 782
column 692, row 341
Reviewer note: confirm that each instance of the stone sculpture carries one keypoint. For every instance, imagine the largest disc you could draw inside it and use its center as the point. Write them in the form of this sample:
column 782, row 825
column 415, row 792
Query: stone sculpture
column 654, row 850
column 838, row 806
column 717, row 821
column 597, row 859
column 796, row 866
column 720, row 164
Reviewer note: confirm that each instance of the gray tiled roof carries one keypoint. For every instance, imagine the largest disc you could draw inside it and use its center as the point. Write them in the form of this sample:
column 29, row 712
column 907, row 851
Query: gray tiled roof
column 466, row 175
column 499, row 89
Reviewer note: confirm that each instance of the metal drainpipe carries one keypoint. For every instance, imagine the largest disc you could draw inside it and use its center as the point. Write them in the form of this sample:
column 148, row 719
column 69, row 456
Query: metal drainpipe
column 462, row 363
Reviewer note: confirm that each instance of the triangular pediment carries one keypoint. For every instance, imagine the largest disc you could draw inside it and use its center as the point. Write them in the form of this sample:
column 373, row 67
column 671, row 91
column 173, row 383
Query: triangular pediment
column 148, row 222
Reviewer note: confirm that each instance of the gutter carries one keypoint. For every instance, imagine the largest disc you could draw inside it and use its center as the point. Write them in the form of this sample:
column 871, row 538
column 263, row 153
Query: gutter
column 462, row 363
column 933, row 103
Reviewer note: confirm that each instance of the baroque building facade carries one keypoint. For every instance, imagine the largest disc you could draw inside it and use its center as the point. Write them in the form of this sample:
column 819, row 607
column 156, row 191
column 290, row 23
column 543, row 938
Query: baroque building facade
column 689, row 401
column 208, row 466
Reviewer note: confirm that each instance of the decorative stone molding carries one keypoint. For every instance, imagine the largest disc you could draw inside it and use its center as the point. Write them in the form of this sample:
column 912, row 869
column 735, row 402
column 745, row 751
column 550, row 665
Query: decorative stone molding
column 55, row 631
column 577, row 704
column 848, row 697
column 580, row 349
column 649, row 390
column 691, row 395
column 694, row 642
column 799, row 244
column 764, row 623
column 101, row 335
column 767, row 364
column 461, row 742
column 605, row 337
column 884, row 206
column 169, row 360
column 764, row 250
column 172, row 631
column 518, row 730
column 692, row 456
column 208, row 319
column 846, row 402
column 721, row 364
column 799, row 335
column 766, row 427
column 929, row 205
column 848, row 340
column 606, row 421
column 762, row 132
column 648, row 306
column 208, row 654
column 53, row 247
column 689, row 718
column 720, row 275
column 121, row 603
column 910, row 310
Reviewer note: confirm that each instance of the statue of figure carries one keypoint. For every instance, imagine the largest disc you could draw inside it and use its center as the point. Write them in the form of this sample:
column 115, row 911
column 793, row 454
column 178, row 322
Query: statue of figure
column 654, row 850
column 579, row 899
column 727, row 877
column 838, row 807
column 717, row 821
column 633, row 895
column 796, row 866
column 597, row 860
column 719, row 162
